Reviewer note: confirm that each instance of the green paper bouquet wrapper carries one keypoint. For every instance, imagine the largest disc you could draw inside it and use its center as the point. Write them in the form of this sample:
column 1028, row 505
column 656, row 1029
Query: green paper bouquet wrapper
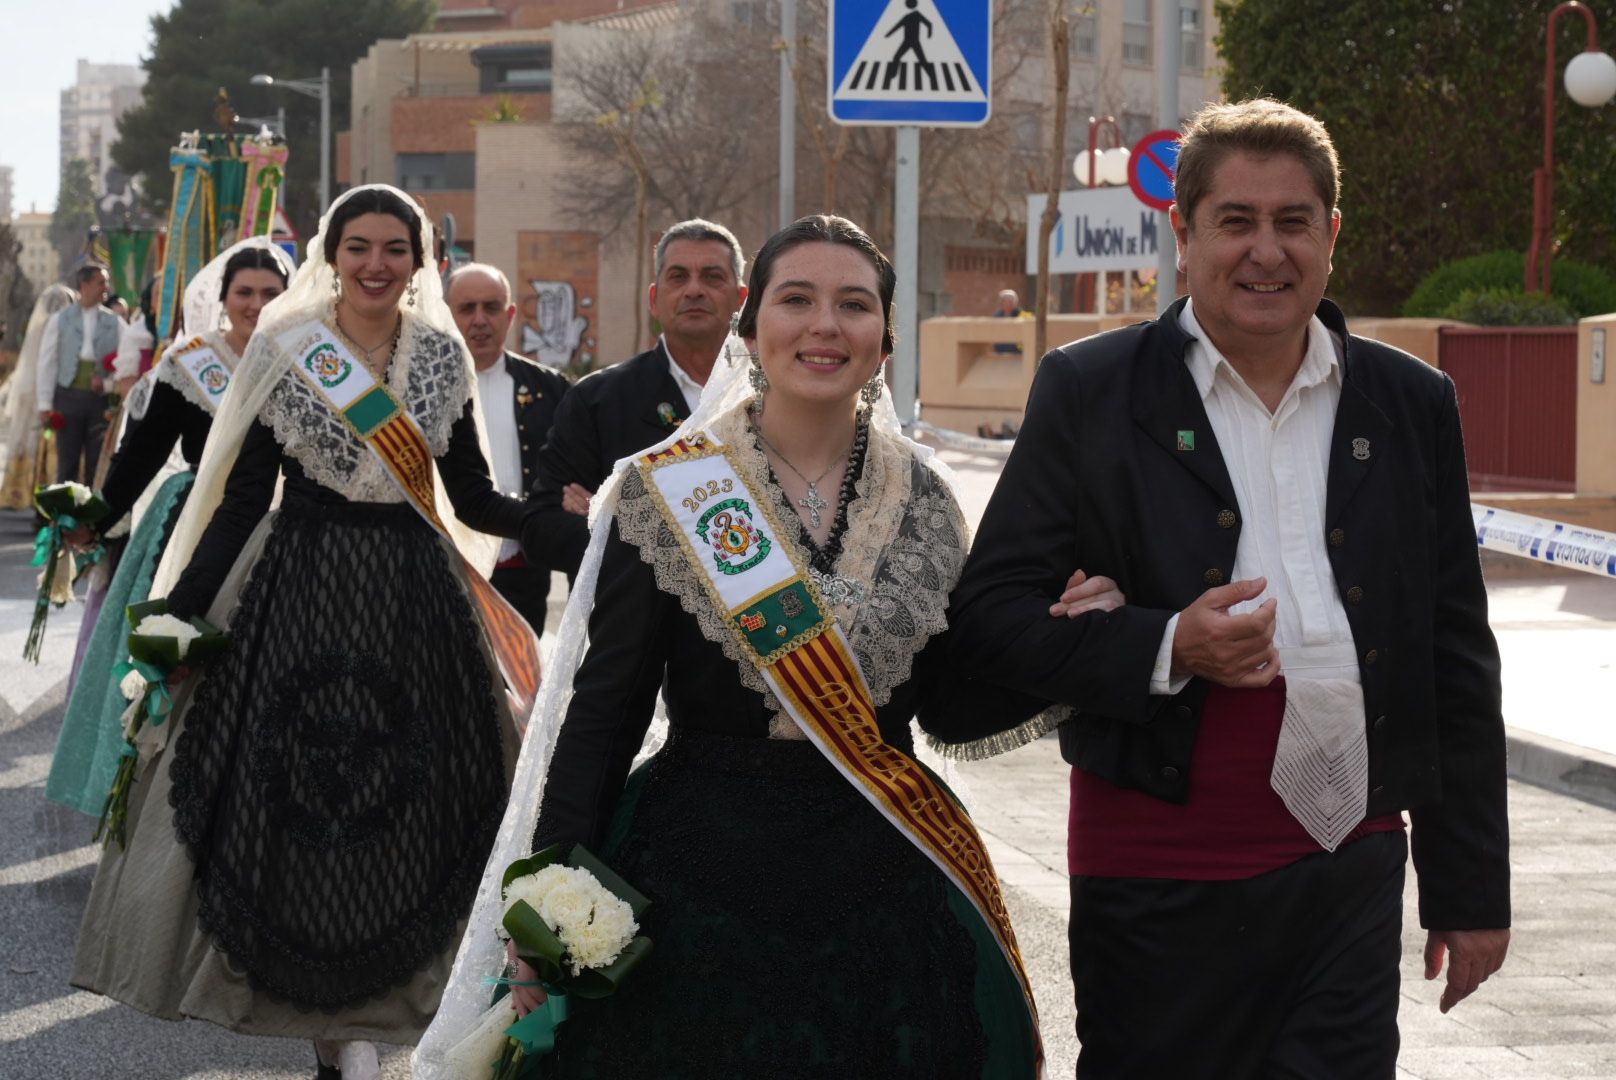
column 154, row 658
column 66, row 507
column 498, row 1047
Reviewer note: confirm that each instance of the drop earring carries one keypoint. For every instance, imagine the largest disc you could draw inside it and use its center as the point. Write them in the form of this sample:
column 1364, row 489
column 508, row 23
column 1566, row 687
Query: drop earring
column 410, row 293
column 336, row 289
column 872, row 391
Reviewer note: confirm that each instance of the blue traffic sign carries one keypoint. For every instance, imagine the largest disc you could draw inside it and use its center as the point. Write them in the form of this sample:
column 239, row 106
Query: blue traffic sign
column 1150, row 168
column 924, row 62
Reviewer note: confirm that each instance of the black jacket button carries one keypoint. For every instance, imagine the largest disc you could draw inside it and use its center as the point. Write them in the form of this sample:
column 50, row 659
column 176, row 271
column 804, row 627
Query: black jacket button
column 1371, row 656
column 1380, row 722
column 1337, row 537
column 1354, row 595
column 1183, row 712
column 1169, row 773
column 1214, row 576
column 1226, row 519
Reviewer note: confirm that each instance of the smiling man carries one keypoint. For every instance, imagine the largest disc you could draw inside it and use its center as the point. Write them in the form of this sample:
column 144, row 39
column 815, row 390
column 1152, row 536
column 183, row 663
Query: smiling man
column 1304, row 653
column 620, row 410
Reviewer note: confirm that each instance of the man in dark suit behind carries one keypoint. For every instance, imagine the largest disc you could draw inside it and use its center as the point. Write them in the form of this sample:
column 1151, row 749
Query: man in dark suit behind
column 519, row 400
column 1303, row 653
column 622, row 409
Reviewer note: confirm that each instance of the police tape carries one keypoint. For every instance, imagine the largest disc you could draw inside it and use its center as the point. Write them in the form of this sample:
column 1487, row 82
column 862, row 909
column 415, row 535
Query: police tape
column 950, row 439
column 1546, row 541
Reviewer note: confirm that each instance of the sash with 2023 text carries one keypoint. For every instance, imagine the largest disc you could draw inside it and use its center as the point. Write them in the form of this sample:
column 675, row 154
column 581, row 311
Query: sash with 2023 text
column 775, row 611
column 381, row 422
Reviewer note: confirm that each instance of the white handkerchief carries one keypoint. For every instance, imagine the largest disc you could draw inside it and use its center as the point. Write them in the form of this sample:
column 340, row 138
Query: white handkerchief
column 1321, row 765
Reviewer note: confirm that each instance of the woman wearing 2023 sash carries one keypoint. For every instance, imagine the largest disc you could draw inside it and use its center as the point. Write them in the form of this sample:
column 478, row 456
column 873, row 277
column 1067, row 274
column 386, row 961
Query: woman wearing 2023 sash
column 180, row 402
column 308, row 829
column 780, row 569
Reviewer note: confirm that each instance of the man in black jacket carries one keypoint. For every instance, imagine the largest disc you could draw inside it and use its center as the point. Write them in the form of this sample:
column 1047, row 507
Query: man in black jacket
column 1304, row 652
column 622, row 409
column 519, row 400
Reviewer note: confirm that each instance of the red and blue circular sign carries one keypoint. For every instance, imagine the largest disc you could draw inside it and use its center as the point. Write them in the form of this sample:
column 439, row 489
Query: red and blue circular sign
column 1150, row 168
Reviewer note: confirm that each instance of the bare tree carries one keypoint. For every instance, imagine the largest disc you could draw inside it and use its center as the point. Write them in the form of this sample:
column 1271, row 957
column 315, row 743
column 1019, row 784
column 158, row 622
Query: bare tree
column 673, row 121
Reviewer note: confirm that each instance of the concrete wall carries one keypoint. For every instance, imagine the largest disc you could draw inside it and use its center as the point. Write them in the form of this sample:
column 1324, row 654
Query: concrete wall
column 521, row 171
column 1417, row 336
column 1596, row 411
column 965, row 383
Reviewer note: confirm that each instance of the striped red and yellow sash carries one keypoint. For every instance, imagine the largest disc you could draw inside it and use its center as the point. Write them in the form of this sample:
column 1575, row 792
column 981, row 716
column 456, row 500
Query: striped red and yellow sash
column 379, row 420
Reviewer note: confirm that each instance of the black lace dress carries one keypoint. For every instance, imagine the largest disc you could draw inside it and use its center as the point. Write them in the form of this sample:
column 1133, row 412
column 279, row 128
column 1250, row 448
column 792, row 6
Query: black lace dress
column 333, row 783
column 797, row 933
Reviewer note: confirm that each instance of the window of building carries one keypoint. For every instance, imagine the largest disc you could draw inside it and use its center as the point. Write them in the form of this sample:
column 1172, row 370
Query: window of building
column 1190, row 36
column 513, row 69
column 1136, row 40
column 1085, row 35
column 437, row 172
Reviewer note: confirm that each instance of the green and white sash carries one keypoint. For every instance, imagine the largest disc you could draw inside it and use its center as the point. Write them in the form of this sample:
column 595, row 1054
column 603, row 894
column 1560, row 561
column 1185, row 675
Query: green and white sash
column 382, row 423
column 200, row 365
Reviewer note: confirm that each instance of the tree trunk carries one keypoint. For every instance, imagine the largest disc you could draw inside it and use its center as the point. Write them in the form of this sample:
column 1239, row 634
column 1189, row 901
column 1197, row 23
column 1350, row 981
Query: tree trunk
column 641, row 239
column 1059, row 37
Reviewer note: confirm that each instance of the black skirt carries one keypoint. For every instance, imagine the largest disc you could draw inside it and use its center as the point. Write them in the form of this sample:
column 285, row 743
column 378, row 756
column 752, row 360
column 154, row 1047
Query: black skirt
column 796, row 932
column 342, row 772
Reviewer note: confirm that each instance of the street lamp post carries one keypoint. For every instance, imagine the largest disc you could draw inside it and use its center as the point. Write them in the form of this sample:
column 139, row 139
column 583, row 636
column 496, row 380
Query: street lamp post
column 1102, row 167
column 314, row 88
column 1590, row 80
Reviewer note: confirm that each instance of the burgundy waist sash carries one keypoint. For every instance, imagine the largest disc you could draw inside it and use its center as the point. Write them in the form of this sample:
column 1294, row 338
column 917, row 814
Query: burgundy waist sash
column 1234, row 824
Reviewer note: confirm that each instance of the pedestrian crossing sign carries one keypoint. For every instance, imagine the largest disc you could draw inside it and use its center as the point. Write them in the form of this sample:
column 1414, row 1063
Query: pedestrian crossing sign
column 923, row 62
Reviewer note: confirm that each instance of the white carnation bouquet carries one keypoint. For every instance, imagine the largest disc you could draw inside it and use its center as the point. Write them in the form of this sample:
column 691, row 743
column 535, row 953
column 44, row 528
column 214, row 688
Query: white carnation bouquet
column 576, row 923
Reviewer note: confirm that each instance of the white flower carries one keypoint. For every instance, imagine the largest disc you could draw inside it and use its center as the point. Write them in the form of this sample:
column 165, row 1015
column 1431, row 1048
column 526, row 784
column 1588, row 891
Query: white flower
column 170, row 627
column 80, row 493
column 593, row 924
column 133, row 685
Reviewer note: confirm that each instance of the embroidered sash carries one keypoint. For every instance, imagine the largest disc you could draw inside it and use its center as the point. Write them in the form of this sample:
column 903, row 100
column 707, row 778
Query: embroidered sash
column 201, row 366
column 776, row 612
column 381, row 422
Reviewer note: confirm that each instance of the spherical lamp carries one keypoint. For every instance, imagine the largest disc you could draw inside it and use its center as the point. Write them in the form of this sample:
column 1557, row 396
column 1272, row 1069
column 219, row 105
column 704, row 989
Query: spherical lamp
column 1590, row 78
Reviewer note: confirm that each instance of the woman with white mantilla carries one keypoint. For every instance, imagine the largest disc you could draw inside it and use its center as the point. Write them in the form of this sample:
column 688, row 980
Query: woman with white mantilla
column 308, row 829
column 801, row 922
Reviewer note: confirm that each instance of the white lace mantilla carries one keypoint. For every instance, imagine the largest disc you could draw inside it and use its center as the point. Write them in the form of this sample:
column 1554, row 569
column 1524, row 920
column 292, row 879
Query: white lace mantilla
column 901, row 555
column 168, row 369
column 427, row 374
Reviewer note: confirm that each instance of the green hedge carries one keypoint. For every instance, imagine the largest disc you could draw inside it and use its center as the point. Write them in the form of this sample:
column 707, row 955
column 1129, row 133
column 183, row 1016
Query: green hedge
column 1585, row 290
column 1509, row 307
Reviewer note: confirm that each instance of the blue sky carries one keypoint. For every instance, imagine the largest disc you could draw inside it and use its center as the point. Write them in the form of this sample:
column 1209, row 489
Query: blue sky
column 40, row 46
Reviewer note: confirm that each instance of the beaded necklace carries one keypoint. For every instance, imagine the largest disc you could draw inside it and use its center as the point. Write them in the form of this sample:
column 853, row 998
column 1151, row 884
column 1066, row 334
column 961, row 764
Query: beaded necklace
column 823, row 558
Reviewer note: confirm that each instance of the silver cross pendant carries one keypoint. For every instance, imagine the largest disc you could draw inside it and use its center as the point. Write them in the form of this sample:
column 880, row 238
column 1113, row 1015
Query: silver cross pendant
column 814, row 505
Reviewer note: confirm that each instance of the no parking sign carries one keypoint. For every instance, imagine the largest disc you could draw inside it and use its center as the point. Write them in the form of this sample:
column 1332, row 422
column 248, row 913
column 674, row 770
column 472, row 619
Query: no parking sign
column 1150, row 168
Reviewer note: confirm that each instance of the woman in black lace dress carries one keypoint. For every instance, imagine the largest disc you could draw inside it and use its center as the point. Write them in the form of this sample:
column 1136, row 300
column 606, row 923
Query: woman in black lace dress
column 798, row 931
column 308, row 830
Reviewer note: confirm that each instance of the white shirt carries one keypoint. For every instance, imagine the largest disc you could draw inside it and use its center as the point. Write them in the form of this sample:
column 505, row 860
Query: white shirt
column 50, row 344
column 132, row 340
column 690, row 388
column 1278, row 464
column 497, row 391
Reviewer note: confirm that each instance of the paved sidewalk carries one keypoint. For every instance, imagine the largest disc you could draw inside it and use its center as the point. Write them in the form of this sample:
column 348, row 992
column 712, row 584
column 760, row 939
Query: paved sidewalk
column 1550, row 1013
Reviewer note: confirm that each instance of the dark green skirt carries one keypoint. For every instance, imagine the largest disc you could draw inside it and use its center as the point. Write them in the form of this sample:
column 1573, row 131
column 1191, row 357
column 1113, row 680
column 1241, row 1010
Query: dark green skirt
column 797, row 934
